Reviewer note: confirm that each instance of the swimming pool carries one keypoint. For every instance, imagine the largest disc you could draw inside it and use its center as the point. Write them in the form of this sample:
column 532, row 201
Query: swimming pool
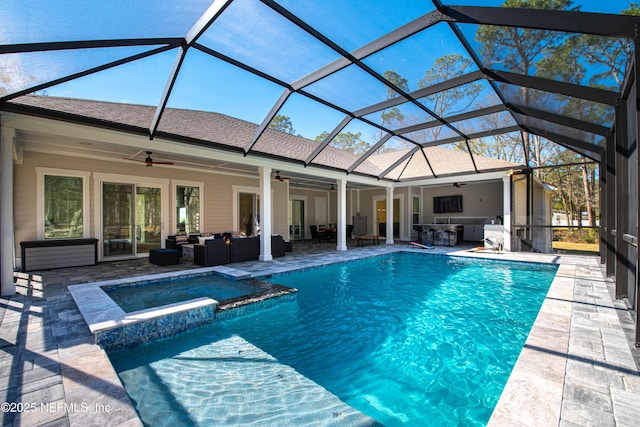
column 408, row 339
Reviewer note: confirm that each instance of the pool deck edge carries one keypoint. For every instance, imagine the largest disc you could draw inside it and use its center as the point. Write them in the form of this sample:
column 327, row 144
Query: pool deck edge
column 577, row 367
column 533, row 393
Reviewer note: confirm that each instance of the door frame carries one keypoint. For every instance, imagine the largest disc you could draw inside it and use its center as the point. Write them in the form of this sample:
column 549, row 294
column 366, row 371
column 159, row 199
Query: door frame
column 136, row 181
column 237, row 189
column 174, row 206
column 303, row 199
column 401, row 214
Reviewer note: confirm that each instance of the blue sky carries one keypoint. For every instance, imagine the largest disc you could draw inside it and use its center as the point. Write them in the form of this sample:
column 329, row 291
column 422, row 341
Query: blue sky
column 209, row 84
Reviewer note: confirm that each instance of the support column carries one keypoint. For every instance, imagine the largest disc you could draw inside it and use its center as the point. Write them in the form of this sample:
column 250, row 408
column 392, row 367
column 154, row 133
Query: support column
column 506, row 212
column 341, row 242
column 610, row 206
column 624, row 269
column 636, row 98
column 265, row 213
column 7, row 237
column 602, row 166
column 389, row 216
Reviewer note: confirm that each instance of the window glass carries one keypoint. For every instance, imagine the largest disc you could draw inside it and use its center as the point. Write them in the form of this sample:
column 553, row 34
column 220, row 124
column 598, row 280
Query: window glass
column 187, row 209
column 63, row 216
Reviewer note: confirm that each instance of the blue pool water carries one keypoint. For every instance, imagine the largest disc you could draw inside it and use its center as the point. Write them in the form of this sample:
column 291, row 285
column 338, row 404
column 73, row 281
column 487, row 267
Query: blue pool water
column 141, row 296
column 408, row 339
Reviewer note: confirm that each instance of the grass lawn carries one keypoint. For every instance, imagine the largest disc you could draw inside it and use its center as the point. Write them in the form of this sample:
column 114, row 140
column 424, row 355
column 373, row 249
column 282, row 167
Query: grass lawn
column 576, row 247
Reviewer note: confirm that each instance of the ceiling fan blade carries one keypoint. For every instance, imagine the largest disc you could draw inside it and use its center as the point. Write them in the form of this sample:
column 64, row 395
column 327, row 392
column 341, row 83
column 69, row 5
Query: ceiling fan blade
column 148, row 161
column 280, row 178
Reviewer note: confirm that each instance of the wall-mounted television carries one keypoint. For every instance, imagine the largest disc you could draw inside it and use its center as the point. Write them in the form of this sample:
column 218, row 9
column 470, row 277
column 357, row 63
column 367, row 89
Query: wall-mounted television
column 445, row 204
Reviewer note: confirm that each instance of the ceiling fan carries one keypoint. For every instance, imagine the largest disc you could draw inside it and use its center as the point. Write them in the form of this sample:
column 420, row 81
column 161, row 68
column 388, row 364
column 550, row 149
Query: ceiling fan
column 280, row 178
column 459, row 184
column 149, row 161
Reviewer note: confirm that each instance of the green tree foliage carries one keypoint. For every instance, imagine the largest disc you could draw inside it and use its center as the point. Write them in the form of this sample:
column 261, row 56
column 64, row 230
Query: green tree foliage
column 579, row 59
column 454, row 100
column 283, row 124
column 517, row 48
column 347, row 141
column 520, row 50
column 398, row 81
column 392, row 116
column 611, row 55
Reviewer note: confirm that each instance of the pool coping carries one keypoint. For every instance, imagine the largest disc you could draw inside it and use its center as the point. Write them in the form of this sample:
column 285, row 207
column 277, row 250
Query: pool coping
column 101, row 313
column 576, row 366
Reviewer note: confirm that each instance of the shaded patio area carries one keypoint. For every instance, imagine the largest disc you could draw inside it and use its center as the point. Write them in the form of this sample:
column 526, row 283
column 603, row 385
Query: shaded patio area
column 577, row 366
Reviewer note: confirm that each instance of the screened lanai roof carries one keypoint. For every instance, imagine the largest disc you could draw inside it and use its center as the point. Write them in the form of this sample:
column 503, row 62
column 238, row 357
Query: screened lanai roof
column 401, row 91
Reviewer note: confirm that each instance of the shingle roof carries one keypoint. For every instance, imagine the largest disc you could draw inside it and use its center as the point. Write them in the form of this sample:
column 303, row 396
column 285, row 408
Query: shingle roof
column 222, row 131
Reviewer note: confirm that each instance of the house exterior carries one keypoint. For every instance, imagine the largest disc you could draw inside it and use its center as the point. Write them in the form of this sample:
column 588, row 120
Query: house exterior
column 78, row 171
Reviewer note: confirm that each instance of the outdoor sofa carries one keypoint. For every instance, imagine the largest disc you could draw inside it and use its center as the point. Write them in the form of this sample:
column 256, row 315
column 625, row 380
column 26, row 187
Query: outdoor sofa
column 234, row 249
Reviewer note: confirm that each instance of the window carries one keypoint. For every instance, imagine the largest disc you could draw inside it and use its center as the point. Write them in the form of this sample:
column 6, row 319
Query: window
column 415, row 213
column 63, row 210
column 187, row 209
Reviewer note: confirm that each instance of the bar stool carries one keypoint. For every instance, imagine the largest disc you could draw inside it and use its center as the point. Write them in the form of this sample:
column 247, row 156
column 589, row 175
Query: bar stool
column 432, row 232
column 450, row 234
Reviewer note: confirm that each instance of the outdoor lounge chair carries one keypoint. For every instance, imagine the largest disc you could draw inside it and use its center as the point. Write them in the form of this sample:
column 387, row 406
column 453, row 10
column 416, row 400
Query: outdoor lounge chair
column 318, row 236
column 213, row 252
column 278, row 246
column 244, row 249
column 497, row 246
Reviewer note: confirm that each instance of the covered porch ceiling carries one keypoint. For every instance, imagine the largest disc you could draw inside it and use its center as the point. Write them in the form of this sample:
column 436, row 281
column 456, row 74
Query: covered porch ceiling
column 409, row 92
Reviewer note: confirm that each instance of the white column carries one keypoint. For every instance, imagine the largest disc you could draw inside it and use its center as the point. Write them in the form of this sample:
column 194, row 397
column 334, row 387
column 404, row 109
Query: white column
column 7, row 237
column 506, row 212
column 341, row 242
column 389, row 216
column 265, row 213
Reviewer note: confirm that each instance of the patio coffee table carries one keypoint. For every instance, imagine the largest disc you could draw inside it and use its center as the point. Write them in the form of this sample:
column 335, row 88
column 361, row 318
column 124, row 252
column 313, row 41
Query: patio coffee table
column 187, row 252
column 375, row 239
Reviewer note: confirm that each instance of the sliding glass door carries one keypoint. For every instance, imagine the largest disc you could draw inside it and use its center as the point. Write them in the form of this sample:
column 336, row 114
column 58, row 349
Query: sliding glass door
column 131, row 219
column 249, row 213
column 148, row 219
column 296, row 219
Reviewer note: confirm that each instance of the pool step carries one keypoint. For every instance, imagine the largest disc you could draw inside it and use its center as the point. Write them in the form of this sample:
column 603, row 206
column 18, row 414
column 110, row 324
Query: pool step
column 224, row 380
